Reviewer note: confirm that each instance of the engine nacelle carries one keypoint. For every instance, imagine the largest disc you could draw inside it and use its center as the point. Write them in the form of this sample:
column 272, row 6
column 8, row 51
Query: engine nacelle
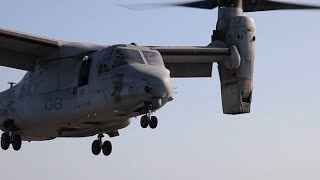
column 237, row 85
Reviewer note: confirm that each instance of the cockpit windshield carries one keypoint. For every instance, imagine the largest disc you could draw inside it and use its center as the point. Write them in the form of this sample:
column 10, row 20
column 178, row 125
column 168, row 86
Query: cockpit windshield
column 126, row 56
column 153, row 57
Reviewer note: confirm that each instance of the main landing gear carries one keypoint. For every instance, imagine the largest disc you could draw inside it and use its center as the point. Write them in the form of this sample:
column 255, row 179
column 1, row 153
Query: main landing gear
column 148, row 120
column 97, row 146
column 7, row 139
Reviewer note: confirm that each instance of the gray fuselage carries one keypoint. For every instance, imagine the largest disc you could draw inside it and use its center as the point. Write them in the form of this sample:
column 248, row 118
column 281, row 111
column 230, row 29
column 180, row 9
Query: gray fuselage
column 78, row 96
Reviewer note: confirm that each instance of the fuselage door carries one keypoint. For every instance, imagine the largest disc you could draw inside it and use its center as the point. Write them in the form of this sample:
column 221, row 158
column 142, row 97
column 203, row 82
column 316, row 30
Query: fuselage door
column 82, row 92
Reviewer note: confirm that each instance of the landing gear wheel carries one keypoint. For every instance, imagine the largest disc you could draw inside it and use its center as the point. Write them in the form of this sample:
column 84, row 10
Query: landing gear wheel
column 5, row 141
column 16, row 142
column 96, row 147
column 107, row 148
column 153, row 122
column 144, row 122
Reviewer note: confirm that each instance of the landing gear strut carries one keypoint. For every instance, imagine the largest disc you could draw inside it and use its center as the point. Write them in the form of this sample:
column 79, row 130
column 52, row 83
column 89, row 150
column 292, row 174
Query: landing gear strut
column 97, row 146
column 148, row 120
column 15, row 140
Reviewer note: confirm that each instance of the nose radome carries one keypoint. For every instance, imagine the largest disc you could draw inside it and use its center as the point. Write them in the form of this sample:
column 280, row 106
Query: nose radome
column 157, row 81
column 159, row 84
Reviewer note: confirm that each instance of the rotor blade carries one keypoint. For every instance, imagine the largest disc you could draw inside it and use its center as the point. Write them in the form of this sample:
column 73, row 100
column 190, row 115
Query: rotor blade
column 266, row 5
column 204, row 4
column 248, row 5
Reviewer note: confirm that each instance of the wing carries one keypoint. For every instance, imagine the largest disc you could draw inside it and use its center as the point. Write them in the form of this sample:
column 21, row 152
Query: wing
column 196, row 61
column 22, row 51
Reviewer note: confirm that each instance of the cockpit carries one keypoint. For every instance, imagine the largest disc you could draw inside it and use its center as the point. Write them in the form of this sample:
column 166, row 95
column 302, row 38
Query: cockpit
column 153, row 58
column 117, row 56
column 129, row 71
column 124, row 56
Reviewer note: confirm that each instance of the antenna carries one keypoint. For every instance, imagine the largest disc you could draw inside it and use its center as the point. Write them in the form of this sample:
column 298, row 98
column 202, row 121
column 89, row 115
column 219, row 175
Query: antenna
column 11, row 84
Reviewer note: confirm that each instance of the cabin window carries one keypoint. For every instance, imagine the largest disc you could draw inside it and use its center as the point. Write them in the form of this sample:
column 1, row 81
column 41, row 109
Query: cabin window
column 84, row 73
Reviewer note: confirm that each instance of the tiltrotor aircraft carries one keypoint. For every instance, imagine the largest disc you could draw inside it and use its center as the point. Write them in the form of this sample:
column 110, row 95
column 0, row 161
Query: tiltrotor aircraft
column 78, row 90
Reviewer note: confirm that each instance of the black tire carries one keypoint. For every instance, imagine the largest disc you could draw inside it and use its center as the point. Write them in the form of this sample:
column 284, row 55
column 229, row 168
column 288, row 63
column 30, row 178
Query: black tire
column 144, row 122
column 16, row 142
column 5, row 141
column 154, row 122
column 107, row 148
column 96, row 147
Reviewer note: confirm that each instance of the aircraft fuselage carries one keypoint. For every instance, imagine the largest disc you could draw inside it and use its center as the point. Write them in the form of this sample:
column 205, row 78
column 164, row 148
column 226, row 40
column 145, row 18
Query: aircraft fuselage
column 84, row 96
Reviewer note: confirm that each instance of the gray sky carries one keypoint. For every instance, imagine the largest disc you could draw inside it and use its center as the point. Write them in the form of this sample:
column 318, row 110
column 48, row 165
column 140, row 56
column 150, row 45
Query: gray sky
column 278, row 140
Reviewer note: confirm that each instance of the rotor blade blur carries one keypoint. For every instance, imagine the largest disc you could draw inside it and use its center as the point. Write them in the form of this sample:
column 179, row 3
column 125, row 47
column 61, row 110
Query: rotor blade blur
column 267, row 5
column 140, row 7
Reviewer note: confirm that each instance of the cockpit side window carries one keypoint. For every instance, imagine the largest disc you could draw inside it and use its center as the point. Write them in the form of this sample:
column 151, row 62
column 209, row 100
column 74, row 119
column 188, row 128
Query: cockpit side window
column 104, row 64
column 103, row 67
column 153, row 58
column 126, row 56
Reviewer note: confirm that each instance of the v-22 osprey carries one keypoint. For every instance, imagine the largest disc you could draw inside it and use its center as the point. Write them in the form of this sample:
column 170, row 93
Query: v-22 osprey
column 78, row 90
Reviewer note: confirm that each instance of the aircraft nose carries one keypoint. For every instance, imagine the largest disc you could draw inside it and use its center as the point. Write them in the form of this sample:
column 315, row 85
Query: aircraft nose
column 156, row 82
column 159, row 85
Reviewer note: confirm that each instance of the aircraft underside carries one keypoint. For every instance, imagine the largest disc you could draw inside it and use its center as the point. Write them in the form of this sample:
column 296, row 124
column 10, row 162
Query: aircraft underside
column 42, row 133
